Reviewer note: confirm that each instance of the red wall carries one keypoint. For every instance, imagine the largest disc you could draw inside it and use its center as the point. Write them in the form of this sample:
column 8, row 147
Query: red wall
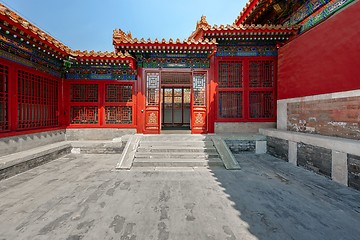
column 325, row 59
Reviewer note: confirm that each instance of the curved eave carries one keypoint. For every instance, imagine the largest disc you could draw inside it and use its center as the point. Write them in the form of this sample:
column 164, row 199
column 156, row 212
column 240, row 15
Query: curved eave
column 104, row 58
column 255, row 32
column 247, row 10
column 24, row 29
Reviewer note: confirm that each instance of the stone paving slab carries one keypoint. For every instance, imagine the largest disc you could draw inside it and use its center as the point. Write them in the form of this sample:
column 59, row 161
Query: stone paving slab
column 84, row 197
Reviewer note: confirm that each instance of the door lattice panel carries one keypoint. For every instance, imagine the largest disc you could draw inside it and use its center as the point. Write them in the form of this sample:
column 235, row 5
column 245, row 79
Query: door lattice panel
column 152, row 89
column 199, row 82
column 175, row 78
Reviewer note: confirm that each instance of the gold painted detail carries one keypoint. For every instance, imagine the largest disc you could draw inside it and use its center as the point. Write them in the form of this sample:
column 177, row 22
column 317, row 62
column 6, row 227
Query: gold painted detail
column 152, row 118
column 199, row 119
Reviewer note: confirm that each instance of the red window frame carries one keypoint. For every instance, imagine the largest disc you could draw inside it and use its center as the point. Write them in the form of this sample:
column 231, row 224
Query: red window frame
column 101, row 104
column 47, row 114
column 245, row 89
column 4, row 98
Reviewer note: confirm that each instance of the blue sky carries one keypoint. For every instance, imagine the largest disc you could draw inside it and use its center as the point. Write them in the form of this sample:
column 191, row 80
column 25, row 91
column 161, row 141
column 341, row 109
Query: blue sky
column 89, row 24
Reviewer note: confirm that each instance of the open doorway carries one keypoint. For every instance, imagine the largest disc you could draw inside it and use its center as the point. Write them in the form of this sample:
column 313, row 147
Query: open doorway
column 175, row 108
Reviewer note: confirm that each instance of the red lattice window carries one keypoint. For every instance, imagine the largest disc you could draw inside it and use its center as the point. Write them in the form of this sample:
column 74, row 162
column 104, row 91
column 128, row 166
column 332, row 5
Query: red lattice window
column 84, row 114
column 100, row 104
column 261, row 74
column 118, row 93
column 230, row 90
column 246, row 89
column 262, row 104
column 230, row 75
column 175, row 78
column 84, row 93
column 4, row 100
column 230, row 104
column 118, row 115
column 199, row 89
column 37, row 101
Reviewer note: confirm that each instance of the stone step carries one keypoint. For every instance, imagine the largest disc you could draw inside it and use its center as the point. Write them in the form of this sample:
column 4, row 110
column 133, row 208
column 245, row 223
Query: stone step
column 164, row 149
column 188, row 155
column 175, row 138
column 106, row 150
column 177, row 143
column 176, row 162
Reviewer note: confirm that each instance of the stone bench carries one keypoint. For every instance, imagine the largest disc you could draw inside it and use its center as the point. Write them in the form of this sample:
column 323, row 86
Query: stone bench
column 334, row 157
column 16, row 163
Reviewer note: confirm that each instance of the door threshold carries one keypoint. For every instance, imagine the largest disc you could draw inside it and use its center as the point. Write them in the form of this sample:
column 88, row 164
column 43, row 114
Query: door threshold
column 174, row 131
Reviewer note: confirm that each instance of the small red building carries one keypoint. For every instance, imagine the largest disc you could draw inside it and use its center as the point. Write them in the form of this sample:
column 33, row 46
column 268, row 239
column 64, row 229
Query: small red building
column 220, row 79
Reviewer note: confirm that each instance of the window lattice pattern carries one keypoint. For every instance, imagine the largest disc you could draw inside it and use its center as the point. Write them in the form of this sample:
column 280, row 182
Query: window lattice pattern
column 152, row 89
column 230, row 75
column 83, row 93
column 118, row 93
column 37, row 101
column 4, row 118
column 230, row 105
column 84, row 114
column 175, row 78
column 261, row 74
column 118, row 115
column 199, row 81
column 262, row 104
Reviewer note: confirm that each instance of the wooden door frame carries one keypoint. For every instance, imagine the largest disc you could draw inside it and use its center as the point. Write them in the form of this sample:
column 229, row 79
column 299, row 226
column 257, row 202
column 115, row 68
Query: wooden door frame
column 173, row 87
column 141, row 108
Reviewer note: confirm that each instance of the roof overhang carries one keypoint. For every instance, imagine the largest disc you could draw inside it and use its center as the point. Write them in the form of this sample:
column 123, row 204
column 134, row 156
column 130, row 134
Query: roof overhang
column 251, row 32
column 124, row 42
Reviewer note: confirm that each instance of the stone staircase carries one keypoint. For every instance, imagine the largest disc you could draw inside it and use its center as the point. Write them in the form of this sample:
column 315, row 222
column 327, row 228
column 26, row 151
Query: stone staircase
column 176, row 150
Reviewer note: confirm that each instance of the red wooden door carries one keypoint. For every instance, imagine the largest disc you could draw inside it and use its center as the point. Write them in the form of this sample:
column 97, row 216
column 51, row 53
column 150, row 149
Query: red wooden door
column 198, row 106
column 152, row 102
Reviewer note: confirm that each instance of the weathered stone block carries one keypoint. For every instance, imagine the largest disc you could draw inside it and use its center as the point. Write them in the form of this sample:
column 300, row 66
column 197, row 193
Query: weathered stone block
column 317, row 159
column 239, row 146
column 354, row 171
column 278, row 147
column 34, row 162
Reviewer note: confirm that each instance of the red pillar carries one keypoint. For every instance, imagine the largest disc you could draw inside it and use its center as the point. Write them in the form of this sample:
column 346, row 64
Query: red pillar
column 212, row 83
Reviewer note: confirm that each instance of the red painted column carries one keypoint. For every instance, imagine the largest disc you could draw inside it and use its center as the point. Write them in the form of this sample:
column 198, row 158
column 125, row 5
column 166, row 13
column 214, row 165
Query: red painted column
column 212, row 96
column 140, row 106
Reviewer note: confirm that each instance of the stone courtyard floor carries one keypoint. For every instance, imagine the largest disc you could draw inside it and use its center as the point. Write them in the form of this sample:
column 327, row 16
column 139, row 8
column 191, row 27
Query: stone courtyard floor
column 83, row 197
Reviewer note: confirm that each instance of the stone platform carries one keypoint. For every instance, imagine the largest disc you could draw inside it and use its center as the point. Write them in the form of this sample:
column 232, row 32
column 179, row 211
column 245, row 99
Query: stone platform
column 81, row 196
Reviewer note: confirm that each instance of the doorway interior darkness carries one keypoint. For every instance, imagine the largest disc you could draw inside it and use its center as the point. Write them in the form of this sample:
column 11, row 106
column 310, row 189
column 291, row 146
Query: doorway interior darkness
column 175, row 100
column 175, row 107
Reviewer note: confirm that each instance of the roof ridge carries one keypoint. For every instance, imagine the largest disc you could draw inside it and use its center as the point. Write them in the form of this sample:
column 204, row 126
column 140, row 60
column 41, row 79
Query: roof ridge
column 119, row 36
column 92, row 53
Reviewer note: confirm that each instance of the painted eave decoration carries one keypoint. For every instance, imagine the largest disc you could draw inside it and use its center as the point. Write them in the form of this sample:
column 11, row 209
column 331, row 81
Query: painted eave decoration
column 251, row 32
column 32, row 35
column 243, row 32
column 103, row 58
column 249, row 8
